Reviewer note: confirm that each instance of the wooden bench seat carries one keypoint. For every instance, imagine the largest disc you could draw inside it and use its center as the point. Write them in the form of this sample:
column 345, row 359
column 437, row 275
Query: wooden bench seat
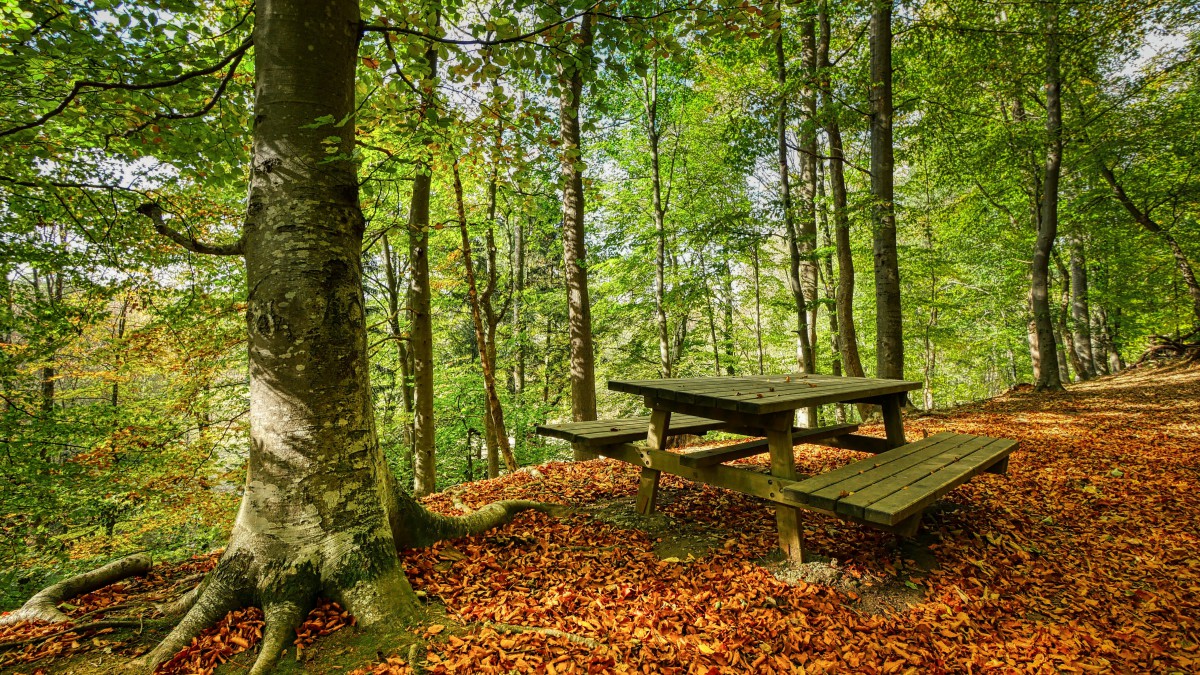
column 893, row 488
column 600, row 433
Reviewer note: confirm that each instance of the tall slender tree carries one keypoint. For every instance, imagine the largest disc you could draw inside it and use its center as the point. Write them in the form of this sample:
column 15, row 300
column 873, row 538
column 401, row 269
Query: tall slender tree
column 889, row 332
column 572, row 70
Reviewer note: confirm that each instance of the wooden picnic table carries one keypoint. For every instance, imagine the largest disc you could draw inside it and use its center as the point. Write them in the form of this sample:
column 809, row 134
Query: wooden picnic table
column 760, row 405
column 889, row 491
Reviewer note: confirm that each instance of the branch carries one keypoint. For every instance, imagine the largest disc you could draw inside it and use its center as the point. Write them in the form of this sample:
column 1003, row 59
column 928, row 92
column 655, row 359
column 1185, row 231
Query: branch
column 197, row 113
column 372, row 28
column 81, row 85
column 155, row 214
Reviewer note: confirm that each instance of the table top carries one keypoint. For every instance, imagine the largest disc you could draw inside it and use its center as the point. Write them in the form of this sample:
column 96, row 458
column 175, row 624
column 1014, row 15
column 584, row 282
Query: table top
column 763, row 394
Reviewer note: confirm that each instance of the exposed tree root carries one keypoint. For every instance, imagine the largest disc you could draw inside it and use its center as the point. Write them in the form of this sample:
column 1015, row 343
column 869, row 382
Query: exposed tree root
column 285, row 581
column 572, row 637
column 414, row 526
column 44, row 605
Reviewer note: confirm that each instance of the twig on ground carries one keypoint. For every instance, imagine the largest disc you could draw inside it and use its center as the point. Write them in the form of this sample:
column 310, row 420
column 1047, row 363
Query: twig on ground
column 572, row 637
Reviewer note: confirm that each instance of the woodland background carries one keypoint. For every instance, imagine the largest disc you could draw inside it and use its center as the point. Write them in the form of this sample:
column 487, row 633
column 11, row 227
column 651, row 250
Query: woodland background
column 122, row 356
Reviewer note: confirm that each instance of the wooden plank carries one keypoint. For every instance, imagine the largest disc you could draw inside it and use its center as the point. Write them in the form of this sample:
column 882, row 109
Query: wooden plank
column 756, row 399
column 817, row 483
column 770, row 402
column 893, row 422
column 787, row 518
column 913, row 498
column 734, row 419
column 601, row 432
column 900, row 474
column 745, row 481
column 647, row 492
column 750, row 448
column 721, row 392
column 656, row 439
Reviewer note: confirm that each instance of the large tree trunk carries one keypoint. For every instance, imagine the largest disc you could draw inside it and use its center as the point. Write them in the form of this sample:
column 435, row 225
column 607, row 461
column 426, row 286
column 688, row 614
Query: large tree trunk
column 316, row 515
column 495, row 412
column 804, row 353
column 889, row 335
column 1081, row 315
column 321, row 514
column 579, row 311
column 844, row 298
column 1039, row 291
column 421, row 328
column 653, row 136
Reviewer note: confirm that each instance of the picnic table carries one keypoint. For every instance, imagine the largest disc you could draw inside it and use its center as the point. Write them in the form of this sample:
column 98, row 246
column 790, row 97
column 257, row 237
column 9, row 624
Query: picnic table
column 889, row 490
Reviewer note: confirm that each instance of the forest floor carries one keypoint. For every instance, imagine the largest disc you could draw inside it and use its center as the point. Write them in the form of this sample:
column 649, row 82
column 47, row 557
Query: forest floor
column 1084, row 558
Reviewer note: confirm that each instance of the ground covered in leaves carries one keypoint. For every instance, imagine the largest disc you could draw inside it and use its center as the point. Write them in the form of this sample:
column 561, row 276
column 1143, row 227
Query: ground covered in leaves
column 1085, row 558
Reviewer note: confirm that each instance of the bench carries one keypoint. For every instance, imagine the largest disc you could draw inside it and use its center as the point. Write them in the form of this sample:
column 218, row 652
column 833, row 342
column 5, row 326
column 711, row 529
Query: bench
column 601, row 433
column 893, row 488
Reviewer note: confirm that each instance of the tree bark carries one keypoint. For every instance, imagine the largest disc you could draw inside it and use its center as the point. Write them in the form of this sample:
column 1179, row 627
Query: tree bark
column 844, row 300
column 579, row 313
column 518, row 273
column 1049, row 377
column 1081, row 315
column 758, row 308
column 421, row 327
column 495, row 411
column 807, row 137
column 804, row 353
column 394, row 293
column 1067, row 351
column 316, row 516
column 889, row 336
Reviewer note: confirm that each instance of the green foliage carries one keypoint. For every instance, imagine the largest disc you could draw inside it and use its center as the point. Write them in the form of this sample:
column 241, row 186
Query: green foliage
column 96, row 302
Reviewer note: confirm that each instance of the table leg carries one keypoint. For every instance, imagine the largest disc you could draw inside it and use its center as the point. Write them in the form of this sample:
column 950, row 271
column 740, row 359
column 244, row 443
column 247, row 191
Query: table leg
column 893, row 423
column 656, row 438
column 787, row 518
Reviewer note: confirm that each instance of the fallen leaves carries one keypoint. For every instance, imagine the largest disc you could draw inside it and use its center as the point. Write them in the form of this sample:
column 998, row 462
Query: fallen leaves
column 1034, row 572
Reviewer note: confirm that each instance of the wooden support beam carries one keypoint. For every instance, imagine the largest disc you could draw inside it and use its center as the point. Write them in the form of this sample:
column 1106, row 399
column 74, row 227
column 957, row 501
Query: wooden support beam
column 893, row 422
column 729, row 453
column 656, row 438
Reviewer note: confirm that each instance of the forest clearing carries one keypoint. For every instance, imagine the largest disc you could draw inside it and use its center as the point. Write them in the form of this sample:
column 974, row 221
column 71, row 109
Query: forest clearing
column 314, row 315
column 1083, row 559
